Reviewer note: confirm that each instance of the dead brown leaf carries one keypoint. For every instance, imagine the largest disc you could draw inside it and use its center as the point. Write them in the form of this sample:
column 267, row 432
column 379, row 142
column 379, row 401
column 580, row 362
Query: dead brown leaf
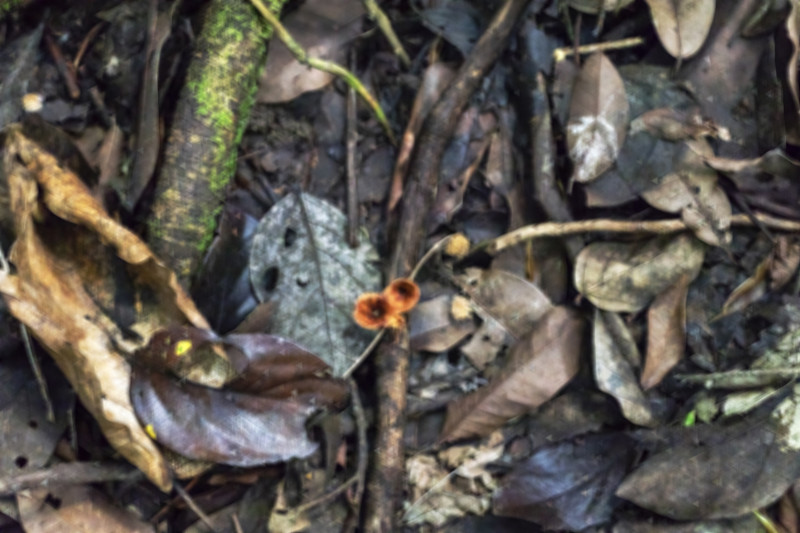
column 513, row 301
column 772, row 273
column 666, row 333
column 54, row 288
column 673, row 124
column 626, row 276
column 432, row 327
column 598, row 118
column 682, row 25
column 323, row 28
column 539, row 365
column 79, row 509
column 693, row 191
column 615, row 357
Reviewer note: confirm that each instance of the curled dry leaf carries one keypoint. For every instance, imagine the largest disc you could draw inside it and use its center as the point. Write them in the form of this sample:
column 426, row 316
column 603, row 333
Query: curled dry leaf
column 614, row 349
column 693, row 191
column 55, row 289
column 673, row 124
column 682, row 25
column 625, row 277
column 666, row 333
column 539, row 365
column 598, row 118
column 771, row 274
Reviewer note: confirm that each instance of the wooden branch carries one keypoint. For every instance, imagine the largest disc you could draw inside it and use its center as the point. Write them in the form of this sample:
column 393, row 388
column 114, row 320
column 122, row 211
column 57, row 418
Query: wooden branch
column 385, row 486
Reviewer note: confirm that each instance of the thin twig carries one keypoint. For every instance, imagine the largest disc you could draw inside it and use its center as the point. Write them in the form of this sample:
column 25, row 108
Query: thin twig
column 194, row 507
column 376, row 13
column 326, row 66
column 559, row 54
column 68, row 474
column 237, row 526
column 657, row 227
column 325, row 498
column 64, row 67
column 439, row 245
column 37, row 371
column 367, row 351
column 350, row 165
column 361, row 431
column 34, row 362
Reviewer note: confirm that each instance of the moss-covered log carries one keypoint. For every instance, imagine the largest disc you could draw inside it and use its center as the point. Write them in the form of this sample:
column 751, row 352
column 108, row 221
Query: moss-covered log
column 212, row 112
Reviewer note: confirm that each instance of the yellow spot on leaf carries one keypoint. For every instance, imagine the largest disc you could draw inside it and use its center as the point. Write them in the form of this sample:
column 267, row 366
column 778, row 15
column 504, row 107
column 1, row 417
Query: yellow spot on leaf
column 181, row 347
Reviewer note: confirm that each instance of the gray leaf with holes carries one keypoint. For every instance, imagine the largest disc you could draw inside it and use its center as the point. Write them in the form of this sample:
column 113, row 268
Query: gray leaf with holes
column 300, row 260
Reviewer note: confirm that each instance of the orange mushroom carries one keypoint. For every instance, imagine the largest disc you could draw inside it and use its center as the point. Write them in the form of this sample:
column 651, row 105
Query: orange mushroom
column 385, row 310
column 374, row 312
column 402, row 294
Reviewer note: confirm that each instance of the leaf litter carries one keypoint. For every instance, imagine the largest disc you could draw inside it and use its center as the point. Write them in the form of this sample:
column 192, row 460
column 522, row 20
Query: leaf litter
column 555, row 427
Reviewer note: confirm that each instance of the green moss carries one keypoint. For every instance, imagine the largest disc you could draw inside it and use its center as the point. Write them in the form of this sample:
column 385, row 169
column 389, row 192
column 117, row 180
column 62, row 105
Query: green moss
column 210, row 227
column 229, row 26
column 7, row 6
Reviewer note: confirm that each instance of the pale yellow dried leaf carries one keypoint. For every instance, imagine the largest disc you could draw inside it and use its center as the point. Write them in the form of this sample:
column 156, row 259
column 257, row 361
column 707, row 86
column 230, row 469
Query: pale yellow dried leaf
column 598, row 118
column 626, row 276
column 682, row 25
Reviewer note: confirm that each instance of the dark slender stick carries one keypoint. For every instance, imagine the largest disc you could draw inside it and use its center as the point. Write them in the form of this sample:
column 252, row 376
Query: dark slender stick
column 67, row 474
column 386, row 482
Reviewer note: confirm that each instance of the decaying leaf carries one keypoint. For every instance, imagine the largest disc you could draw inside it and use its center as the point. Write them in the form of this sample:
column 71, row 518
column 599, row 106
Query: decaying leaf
column 732, row 471
column 539, row 365
column 486, row 343
column 80, row 509
column 666, row 333
column 324, row 28
column 442, row 503
column 693, row 191
column 598, row 118
column 682, row 25
column 513, row 301
column 28, row 438
column 772, row 273
column 614, row 351
column 56, row 286
column 673, row 124
column 625, row 277
column 432, row 327
column 301, row 259
column 220, row 426
column 567, row 486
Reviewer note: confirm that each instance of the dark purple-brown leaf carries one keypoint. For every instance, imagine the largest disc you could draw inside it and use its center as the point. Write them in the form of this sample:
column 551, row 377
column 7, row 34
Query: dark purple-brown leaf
column 540, row 364
column 567, row 486
column 218, row 426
